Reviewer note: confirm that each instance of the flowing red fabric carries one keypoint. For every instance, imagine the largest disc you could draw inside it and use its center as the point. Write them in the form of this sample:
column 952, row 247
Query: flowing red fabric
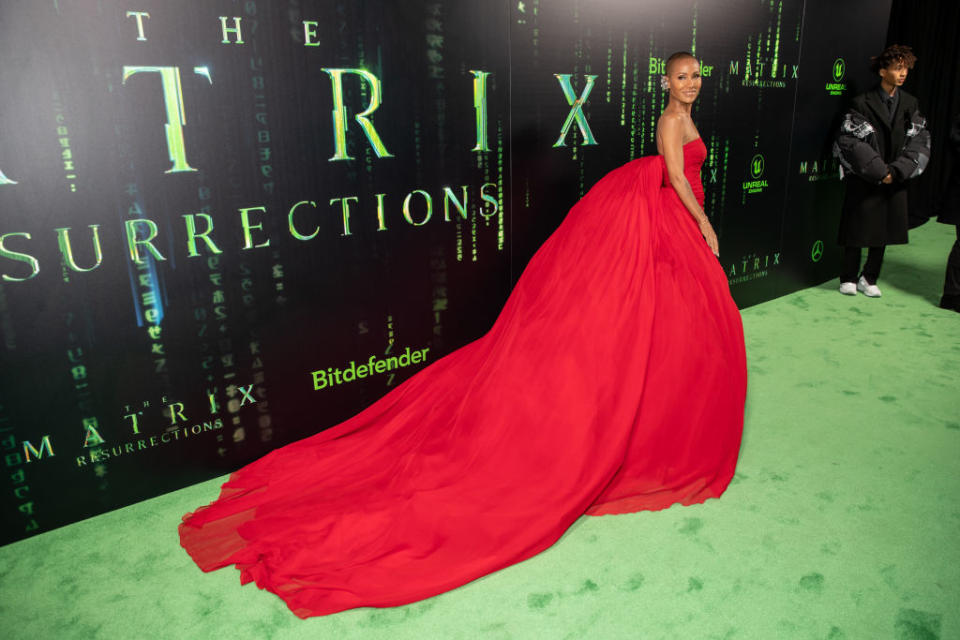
column 613, row 381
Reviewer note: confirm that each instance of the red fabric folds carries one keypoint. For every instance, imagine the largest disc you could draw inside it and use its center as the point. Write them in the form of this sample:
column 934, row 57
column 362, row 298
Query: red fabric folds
column 613, row 380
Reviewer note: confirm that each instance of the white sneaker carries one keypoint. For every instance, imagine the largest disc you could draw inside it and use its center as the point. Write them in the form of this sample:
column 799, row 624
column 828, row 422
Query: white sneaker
column 869, row 290
column 848, row 288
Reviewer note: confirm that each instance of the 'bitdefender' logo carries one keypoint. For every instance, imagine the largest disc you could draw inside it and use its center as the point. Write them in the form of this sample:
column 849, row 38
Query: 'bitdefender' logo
column 658, row 66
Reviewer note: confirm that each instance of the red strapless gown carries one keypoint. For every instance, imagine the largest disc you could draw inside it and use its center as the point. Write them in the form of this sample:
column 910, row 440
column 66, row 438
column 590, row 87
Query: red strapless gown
column 613, row 380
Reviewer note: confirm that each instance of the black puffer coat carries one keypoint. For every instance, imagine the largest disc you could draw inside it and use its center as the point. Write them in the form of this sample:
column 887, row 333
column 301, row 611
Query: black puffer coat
column 868, row 147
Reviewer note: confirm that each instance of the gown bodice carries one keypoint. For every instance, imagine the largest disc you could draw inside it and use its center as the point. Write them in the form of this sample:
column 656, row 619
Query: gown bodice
column 694, row 153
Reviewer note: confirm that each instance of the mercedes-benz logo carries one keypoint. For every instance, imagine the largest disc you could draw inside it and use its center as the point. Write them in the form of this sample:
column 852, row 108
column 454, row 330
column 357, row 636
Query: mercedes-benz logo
column 817, row 251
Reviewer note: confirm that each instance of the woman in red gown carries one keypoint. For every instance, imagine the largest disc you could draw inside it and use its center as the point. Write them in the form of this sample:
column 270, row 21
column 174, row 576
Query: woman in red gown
column 613, row 381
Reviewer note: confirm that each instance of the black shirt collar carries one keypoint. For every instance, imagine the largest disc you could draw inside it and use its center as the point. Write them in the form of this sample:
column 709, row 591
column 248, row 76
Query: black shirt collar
column 890, row 102
column 886, row 97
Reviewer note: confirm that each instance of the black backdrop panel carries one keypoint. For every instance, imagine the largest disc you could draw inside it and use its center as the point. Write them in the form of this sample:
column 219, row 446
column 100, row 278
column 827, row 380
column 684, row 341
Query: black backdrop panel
column 836, row 63
column 749, row 54
column 217, row 218
column 135, row 378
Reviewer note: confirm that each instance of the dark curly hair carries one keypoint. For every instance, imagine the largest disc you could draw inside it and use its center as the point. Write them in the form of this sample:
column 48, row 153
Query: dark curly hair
column 892, row 55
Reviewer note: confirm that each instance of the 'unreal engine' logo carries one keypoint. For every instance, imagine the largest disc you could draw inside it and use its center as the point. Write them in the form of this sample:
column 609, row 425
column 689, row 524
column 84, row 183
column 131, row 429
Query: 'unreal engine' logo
column 756, row 183
column 835, row 87
column 839, row 69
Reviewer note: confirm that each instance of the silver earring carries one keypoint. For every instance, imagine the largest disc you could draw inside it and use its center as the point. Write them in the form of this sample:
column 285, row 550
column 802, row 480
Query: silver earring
column 664, row 84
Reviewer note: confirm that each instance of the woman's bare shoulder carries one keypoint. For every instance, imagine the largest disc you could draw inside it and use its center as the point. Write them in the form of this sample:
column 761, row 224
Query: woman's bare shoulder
column 677, row 127
column 670, row 127
column 671, row 119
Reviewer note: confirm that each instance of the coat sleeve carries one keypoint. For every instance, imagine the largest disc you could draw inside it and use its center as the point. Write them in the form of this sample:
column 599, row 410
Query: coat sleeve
column 855, row 148
column 916, row 150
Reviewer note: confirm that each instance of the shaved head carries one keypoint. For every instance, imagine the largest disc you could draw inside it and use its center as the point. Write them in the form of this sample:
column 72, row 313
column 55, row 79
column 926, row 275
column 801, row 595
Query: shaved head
column 676, row 57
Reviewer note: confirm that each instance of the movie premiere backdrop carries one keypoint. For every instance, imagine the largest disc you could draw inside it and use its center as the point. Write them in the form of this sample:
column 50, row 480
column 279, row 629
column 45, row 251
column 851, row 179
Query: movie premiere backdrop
column 227, row 225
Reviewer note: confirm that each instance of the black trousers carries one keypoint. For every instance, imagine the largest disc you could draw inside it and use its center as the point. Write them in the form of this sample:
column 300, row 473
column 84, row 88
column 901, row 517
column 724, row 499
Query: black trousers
column 951, row 282
column 851, row 264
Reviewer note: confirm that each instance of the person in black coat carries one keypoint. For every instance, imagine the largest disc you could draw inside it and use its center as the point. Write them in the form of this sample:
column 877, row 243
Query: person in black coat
column 883, row 142
column 950, row 214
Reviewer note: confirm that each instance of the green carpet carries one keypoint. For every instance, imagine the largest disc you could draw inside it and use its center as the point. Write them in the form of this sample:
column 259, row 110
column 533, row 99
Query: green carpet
column 843, row 520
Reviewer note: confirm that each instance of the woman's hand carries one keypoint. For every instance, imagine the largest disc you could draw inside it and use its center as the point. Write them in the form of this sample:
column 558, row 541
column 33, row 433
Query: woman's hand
column 710, row 236
column 888, row 179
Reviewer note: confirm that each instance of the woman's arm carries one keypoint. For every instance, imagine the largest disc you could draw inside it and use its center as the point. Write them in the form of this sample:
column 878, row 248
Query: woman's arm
column 671, row 139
